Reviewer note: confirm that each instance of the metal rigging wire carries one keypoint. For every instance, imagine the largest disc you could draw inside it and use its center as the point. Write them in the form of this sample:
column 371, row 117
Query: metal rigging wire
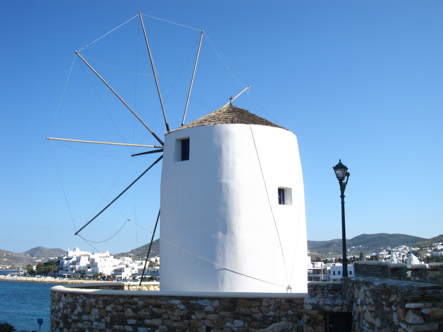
column 118, row 231
column 270, row 205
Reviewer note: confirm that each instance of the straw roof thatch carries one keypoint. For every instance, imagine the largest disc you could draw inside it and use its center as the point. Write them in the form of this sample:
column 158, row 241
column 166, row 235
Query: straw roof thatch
column 229, row 114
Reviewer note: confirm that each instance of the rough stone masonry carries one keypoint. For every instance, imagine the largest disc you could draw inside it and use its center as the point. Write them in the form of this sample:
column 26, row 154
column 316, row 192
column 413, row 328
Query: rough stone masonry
column 392, row 301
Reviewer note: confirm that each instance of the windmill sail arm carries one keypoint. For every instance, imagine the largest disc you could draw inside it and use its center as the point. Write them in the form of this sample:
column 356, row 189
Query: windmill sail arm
column 106, row 143
column 155, row 162
column 117, row 95
column 193, row 75
column 147, row 152
column 153, row 71
column 232, row 99
column 150, row 246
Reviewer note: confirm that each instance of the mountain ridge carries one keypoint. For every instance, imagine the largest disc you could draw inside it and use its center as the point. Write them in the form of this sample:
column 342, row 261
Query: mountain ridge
column 365, row 243
column 31, row 256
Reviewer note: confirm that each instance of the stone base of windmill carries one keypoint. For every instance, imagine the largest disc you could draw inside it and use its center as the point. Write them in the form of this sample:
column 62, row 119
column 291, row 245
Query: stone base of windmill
column 76, row 308
column 361, row 304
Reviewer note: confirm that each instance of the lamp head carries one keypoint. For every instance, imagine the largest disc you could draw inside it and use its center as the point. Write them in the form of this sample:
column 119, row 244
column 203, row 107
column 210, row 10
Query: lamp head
column 341, row 172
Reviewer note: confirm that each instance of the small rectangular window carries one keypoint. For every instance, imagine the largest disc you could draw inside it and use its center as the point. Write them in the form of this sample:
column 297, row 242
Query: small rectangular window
column 185, row 149
column 281, row 196
column 284, row 196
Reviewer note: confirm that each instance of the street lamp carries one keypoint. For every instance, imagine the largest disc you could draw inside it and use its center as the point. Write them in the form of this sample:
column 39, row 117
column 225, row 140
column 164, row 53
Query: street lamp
column 342, row 174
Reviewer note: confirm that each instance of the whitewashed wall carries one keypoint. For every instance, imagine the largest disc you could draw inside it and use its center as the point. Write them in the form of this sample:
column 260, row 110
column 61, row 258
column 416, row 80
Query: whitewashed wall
column 220, row 218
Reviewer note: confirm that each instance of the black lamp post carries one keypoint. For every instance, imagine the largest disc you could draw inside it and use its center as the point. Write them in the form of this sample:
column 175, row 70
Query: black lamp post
column 342, row 174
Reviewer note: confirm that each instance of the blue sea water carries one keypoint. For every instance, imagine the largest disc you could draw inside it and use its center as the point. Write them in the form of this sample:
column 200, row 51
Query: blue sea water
column 22, row 303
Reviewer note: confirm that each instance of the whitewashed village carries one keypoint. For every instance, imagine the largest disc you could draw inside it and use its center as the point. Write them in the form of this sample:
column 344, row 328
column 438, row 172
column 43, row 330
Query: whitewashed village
column 78, row 264
column 86, row 265
column 103, row 265
column 333, row 271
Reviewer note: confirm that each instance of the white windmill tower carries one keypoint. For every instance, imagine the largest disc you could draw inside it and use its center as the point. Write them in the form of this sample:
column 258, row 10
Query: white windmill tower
column 233, row 212
column 232, row 203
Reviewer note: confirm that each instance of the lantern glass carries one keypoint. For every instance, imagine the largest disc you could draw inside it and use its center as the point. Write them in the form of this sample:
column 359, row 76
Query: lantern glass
column 340, row 171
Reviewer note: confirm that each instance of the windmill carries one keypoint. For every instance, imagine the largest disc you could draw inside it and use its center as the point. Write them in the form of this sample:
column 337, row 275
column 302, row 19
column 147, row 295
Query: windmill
column 232, row 200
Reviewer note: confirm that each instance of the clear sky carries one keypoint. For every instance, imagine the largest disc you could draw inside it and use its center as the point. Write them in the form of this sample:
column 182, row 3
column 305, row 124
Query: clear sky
column 359, row 81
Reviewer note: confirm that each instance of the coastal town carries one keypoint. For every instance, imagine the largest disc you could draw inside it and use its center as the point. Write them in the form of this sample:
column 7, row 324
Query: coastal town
column 86, row 265
column 76, row 264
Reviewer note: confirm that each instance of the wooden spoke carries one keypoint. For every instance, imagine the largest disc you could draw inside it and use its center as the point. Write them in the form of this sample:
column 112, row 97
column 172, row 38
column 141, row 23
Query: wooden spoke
column 231, row 99
column 116, row 94
column 149, row 250
column 193, row 75
column 155, row 74
column 147, row 152
column 155, row 162
column 106, row 143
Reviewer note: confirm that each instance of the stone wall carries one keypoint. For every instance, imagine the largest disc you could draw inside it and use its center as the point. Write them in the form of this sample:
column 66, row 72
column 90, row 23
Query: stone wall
column 378, row 269
column 432, row 273
column 375, row 304
column 324, row 298
column 435, row 273
column 394, row 305
column 74, row 309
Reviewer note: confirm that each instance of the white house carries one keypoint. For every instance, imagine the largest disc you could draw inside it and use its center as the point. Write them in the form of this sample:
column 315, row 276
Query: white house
column 336, row 272
column 413, row 260
column 86, row 264
column 319, row 271
column 232, row 201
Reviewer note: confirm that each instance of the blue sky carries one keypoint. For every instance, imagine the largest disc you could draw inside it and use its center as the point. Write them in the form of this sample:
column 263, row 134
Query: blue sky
column 359, row 81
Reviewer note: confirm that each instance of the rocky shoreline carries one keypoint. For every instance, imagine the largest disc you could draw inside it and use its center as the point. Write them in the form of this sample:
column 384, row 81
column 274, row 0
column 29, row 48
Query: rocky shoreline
column 50, row 280
column 130, row 286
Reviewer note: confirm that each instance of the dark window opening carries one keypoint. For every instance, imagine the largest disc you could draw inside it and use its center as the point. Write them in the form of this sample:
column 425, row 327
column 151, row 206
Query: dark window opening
column 339, row 322
column 185, row 149
column 281, row 196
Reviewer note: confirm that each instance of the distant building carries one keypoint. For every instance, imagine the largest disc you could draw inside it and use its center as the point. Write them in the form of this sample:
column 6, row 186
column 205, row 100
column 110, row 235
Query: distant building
column 336, row 272
column 413, row 260
column 319, row 271
column 77, row 263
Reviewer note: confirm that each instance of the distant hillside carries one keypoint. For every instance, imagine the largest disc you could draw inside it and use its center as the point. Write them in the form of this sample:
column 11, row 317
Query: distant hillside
column 315, row 244
column 324, row 245
column 42, row 252
column 141, row 252
column 10, row 258
column 383, row 240
column 428, row 242
column 33, row 256
column 366, row 243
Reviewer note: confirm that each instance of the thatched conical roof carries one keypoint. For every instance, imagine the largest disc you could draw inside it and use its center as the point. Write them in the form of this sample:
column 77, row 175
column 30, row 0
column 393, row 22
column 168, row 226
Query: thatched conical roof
column 229, row 115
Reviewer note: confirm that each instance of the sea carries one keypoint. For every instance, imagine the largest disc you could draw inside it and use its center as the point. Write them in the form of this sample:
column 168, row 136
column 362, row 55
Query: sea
column 22, row 303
